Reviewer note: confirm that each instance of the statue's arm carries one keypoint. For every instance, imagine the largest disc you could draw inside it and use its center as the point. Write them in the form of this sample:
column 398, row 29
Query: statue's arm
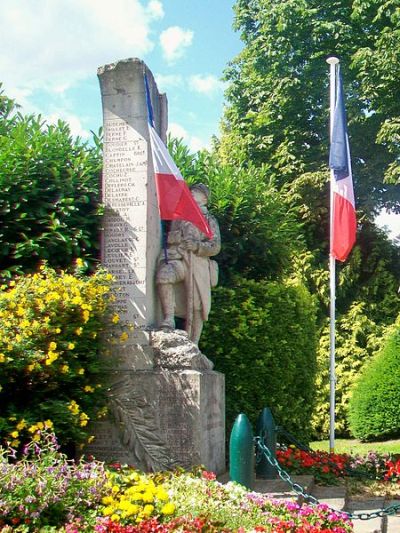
column 210, row 247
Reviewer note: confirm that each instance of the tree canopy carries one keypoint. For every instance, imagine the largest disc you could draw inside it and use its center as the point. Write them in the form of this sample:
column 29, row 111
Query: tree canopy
column 278, row 93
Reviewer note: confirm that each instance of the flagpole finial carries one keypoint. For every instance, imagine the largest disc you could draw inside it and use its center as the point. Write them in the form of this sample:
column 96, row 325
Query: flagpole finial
column 332, row 60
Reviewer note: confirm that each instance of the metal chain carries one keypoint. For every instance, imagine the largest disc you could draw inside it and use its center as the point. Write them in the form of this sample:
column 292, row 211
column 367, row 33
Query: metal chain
column 299, row 490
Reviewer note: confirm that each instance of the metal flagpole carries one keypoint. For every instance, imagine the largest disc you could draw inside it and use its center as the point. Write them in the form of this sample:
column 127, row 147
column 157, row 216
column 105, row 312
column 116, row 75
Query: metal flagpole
column 332, row 61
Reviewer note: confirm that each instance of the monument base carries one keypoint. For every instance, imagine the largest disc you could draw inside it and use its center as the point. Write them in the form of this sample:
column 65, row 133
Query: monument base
column 164, row 417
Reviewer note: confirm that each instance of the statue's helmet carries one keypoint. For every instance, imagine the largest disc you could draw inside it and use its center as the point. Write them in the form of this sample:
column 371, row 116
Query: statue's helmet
column 202, row 188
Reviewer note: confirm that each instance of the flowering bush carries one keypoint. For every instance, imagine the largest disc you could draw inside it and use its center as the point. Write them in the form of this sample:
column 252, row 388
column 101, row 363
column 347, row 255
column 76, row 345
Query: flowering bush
column 50, row 370
column 44, row 488
column 325, row 467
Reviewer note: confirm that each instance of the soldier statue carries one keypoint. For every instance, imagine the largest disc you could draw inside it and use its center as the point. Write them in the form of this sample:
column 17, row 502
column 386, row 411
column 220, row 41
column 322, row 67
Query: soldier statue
column 186, row 274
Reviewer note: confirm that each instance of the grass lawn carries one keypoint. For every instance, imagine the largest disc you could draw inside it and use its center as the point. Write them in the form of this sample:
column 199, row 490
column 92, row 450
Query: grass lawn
column 354, row 446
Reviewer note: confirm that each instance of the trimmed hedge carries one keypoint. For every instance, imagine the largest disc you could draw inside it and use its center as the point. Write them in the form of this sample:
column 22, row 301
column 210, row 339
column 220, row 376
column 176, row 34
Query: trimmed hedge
column 374, row 410
column 262, row 336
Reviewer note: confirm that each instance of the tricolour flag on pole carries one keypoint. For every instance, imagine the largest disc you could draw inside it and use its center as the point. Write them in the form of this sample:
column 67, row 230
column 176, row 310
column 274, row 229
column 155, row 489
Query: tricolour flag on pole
column 175, row 200
column 344, row 225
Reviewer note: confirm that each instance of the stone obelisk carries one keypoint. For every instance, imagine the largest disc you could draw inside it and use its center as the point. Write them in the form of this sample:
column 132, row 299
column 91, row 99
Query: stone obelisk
column 131, row 229
column 166, row 404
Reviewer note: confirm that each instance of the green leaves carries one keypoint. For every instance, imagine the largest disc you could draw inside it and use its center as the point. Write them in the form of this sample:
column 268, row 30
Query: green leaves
column 49, row 193
column 375, row 402
column 268, row 350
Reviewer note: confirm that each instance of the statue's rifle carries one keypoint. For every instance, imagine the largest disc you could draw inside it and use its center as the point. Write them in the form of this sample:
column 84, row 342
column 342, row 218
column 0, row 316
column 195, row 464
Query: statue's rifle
column 190, row 296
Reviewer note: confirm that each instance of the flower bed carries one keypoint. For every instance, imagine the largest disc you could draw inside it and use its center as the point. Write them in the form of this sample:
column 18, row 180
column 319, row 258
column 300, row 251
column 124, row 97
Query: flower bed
column 327, row 468
column 43, row 491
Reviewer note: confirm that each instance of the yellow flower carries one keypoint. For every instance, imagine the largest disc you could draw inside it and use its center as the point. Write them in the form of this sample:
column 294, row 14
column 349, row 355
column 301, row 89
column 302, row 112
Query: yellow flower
column 21, row 424
column 2, row 358
column 78, row 331
column 15, row 443
column 57, row 330
column 33, row 428
column 106, row 500
column 86, row 315
column 52, row 346
column 81, row 371
column 88, row 388
column 36, row 437
column 168, row 508
column 71, row 346
column 64, row 369
column 115, row 489
column 161, row 494
column 79, row 262
column 14, row 434
column 51, row 357
column 73, row 407
column 48, row 424
column 148, row 509
column 107, row 511
column 91, row 439
column 115, row 517
column 115, row 319
column 124, row 337
column 147, row 497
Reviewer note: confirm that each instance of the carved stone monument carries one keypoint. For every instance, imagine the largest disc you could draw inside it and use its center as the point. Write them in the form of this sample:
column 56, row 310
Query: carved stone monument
column 166, row 404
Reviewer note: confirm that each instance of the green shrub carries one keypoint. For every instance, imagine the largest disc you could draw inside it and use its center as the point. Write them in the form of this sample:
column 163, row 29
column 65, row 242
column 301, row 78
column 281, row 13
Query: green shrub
column 50, row 370
column 374, row 411
column 358, row 338
column 49, row 186
column 262, row 336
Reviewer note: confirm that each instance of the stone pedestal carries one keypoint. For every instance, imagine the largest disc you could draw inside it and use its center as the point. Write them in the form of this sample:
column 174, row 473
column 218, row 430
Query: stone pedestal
column 167, row 415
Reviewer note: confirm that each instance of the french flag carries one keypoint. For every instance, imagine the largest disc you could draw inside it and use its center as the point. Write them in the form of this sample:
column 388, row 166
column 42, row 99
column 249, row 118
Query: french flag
column 343, row 219
column 175, row 201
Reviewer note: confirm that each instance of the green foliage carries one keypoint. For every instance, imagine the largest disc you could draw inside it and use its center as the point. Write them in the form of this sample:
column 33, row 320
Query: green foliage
column 49, row 193
column 278, row 94
column 259, row 233
column 367, row 302
column 277, row 119
column 357, row 339
column 375, row 402
column 261, row 335
column 51, row 372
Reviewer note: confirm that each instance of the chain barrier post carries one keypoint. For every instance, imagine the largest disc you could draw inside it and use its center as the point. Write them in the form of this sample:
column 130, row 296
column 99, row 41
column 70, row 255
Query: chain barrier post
column 241, row 452
column 266, row 429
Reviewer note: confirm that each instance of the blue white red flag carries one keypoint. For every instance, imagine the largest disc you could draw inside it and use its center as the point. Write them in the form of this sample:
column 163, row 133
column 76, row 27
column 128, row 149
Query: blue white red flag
column 343, row 220
column 175, row 200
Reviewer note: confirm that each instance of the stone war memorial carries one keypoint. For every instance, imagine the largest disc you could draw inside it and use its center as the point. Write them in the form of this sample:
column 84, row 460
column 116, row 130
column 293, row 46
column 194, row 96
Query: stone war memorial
column 166, row 404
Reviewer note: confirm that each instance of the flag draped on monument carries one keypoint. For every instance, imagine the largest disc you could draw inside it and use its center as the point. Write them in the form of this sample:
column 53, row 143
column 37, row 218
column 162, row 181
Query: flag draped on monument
column 175, row 200
column 344, row 225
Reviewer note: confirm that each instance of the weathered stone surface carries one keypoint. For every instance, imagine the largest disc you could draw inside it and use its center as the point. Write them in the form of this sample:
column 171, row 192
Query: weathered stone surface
column 174, row 350
column 161, row 419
